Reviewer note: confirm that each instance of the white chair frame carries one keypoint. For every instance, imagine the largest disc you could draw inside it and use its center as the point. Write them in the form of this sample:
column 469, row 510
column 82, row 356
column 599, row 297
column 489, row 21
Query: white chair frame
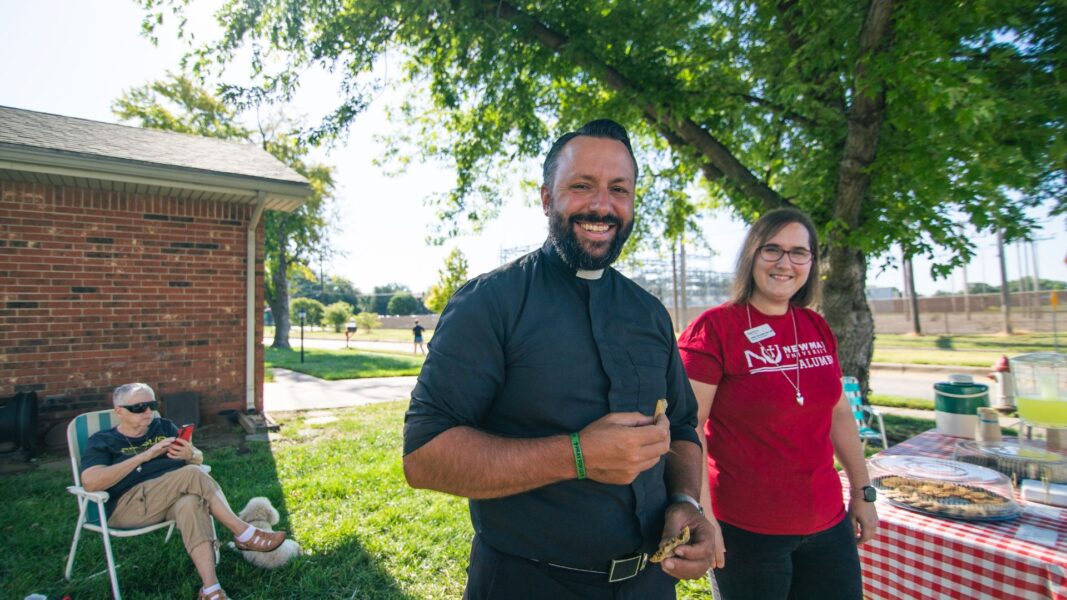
column 864, row 414
column 78, row 432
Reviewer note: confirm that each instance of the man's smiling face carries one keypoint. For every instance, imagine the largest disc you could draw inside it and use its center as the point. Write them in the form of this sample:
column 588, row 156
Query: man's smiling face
column 591, row 203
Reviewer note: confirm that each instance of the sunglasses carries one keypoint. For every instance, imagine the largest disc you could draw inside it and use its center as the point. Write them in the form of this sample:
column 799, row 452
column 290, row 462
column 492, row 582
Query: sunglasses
column 141, row 407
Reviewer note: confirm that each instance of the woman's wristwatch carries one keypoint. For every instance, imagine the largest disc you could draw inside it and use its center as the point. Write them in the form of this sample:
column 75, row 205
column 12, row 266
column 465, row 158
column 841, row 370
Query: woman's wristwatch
column 869, row 493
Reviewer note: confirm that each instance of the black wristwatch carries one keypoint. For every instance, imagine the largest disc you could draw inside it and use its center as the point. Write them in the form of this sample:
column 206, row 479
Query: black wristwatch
column 870, row 494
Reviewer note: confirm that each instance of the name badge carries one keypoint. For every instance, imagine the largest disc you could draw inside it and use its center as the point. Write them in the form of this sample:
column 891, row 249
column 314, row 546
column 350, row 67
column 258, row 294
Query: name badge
column 759, row 333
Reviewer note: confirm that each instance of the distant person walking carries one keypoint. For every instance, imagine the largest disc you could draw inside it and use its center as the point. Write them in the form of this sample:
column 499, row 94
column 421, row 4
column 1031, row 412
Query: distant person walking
column 417, row 330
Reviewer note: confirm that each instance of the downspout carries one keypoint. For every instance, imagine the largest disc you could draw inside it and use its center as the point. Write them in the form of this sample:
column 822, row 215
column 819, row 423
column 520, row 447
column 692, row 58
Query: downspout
column 250, row 304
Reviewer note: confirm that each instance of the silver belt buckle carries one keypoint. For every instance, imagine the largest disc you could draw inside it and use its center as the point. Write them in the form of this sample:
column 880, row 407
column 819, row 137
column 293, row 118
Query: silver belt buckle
column 627, row 568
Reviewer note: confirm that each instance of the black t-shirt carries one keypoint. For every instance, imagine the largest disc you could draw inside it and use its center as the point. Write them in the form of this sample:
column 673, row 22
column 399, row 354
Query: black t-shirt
column 532, row 350
column 417, row 330
column 109, row 447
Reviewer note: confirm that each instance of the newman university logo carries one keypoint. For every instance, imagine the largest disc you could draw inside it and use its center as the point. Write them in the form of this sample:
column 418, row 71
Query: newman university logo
column 774, row 357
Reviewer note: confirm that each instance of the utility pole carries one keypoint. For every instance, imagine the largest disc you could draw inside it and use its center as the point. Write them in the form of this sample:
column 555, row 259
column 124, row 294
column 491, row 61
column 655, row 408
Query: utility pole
column 674, row 286
column 684, row 291
column 1005, row 310
column 1036, row 280
column 966, row 295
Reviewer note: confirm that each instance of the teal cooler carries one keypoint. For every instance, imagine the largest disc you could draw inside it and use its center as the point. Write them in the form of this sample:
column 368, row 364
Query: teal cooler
column 956, row 405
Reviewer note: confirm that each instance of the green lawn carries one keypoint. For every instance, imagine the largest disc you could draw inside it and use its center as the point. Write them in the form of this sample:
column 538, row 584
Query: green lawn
column 1013, row 344
column 901, row 402
column 362, row 335
column 344, row 364
column 340, row 489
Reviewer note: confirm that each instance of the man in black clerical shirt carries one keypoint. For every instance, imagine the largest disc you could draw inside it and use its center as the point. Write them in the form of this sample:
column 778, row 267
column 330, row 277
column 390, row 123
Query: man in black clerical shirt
column 537, row 398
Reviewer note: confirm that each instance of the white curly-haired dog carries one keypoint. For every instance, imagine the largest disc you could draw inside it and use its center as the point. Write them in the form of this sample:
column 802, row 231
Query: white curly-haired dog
column 261, row 514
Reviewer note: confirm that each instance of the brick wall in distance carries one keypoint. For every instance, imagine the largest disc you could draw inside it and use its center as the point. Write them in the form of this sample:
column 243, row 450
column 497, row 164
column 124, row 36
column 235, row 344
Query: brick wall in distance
column 101, row 288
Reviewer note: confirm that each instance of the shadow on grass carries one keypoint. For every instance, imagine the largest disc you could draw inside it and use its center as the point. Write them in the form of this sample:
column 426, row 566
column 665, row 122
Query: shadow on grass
column 944, row 342
column 38, row 523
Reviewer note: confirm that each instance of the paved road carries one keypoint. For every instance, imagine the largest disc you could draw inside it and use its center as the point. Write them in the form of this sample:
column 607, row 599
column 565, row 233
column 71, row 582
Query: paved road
column 907, row 382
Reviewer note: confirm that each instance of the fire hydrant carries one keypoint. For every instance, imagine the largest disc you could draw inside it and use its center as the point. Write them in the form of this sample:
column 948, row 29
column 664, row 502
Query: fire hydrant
column 1002, row 397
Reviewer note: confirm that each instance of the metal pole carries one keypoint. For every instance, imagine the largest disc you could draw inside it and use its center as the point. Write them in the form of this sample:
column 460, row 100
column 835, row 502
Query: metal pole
column 684, row 280
column 1036, row 280
column 1005, row 310
column 301, row 338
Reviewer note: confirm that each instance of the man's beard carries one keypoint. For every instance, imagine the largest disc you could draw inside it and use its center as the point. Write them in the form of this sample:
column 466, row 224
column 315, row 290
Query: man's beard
column 561, row 234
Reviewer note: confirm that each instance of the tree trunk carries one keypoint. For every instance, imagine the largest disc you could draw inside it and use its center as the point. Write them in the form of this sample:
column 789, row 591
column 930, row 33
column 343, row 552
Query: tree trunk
column 279, row 300
column 913, row 296
column 845, row 307
column 845, row 302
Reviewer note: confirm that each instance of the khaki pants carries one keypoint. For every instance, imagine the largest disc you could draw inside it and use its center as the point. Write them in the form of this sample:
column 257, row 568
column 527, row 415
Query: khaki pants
column 183, row 495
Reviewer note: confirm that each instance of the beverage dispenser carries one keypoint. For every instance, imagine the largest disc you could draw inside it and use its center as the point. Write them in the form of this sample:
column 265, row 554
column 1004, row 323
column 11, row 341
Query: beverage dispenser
column 1041, row 394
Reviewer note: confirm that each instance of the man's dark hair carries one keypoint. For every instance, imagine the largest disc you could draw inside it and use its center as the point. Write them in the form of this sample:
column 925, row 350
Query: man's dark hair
column 601, row 128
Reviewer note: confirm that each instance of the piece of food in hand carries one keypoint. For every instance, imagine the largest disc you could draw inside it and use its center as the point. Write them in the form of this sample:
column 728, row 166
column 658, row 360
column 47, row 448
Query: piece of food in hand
column 661, row 409
column 666, row 549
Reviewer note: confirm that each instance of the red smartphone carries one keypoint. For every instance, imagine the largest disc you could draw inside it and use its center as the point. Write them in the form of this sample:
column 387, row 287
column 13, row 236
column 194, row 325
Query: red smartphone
column 186, row 433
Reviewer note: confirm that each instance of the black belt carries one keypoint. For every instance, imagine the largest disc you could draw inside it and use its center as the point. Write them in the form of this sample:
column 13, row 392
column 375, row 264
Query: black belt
column 621, row 569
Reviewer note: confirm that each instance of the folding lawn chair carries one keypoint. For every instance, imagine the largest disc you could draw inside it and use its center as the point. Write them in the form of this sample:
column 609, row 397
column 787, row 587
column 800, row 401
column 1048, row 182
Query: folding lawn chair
column 91, row 504
column 865, row 414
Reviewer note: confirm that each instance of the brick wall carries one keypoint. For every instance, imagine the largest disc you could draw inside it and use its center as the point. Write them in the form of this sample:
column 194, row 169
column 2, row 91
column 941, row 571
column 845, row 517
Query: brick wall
column 101, row 288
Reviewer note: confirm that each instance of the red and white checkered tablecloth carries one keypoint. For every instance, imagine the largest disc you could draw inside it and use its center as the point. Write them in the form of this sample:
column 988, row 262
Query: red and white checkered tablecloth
column 915, row 556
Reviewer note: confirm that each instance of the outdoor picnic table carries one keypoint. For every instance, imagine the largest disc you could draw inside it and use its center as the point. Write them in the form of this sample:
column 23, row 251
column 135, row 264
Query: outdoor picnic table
column 917, row 556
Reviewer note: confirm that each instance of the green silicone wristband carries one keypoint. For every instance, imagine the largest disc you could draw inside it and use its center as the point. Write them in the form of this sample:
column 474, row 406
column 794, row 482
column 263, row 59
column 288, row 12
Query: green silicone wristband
column 579, row 460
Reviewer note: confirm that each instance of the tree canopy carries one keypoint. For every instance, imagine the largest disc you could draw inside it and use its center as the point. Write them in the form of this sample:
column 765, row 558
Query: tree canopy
column 449, row 279
column 891, row 123
column 403, row 303
column 378, row 302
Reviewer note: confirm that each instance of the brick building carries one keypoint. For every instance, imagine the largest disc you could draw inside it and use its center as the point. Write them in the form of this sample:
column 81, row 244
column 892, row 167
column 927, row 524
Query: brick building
column 124, row 256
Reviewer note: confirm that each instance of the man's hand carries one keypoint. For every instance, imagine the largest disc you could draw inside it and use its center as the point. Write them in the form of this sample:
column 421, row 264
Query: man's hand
column 864, row 519
column 180, row 449
column 620, row 446
column 705, row 548
column 158, row 449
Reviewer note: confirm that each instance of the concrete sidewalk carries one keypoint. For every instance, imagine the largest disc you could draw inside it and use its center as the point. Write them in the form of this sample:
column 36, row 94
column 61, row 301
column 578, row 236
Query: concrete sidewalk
column 292, row 391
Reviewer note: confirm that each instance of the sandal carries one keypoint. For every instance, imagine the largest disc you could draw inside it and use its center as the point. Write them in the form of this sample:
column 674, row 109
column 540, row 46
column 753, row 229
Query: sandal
column 262, row 541
column 218, row 594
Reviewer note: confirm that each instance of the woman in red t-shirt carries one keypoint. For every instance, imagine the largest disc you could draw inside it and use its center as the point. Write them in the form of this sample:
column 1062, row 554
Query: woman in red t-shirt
column 773, row 415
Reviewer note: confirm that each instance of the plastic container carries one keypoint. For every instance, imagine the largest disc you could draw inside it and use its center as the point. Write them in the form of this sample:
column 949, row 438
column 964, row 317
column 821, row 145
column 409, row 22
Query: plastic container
column 944, row 488
column 956, row 404
column 988, row 429
column 1018, row 461
column 1036, row 491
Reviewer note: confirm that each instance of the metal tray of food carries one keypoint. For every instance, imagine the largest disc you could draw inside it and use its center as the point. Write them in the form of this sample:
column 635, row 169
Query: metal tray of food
column 944, row 488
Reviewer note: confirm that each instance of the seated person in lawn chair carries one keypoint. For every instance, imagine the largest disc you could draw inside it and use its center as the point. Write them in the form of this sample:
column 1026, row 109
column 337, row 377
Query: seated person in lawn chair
column 151, row 476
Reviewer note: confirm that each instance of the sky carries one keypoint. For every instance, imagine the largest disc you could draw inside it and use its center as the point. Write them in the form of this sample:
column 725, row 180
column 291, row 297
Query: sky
column 75, row 57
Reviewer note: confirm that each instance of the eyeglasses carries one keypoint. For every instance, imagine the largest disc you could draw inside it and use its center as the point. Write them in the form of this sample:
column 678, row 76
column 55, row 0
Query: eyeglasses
column 140, row 407
column 797, row 256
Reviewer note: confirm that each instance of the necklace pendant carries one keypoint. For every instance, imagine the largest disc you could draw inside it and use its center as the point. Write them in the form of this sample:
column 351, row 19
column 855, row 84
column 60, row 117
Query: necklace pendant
column 800, row 399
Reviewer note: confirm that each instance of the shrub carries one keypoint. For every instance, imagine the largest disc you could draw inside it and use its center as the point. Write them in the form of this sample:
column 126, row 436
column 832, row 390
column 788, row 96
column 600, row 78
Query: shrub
column 337, row 314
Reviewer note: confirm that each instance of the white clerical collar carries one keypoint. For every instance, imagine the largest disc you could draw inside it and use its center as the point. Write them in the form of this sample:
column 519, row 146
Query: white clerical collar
column 587, row 274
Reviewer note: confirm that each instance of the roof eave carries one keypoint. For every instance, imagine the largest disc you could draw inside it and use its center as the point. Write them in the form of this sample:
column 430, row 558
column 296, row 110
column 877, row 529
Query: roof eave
column 282, row 195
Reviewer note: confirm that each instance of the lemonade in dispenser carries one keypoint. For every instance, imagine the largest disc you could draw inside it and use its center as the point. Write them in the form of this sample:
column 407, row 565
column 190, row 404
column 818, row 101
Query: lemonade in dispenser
column 1041, row 392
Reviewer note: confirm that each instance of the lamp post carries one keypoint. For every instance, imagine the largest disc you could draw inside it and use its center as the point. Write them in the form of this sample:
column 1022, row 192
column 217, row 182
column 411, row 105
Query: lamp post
column 302, row 316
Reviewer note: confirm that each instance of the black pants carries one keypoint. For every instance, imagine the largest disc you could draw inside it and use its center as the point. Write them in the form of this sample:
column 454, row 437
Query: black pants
column 820, row 566
column 493, row 575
